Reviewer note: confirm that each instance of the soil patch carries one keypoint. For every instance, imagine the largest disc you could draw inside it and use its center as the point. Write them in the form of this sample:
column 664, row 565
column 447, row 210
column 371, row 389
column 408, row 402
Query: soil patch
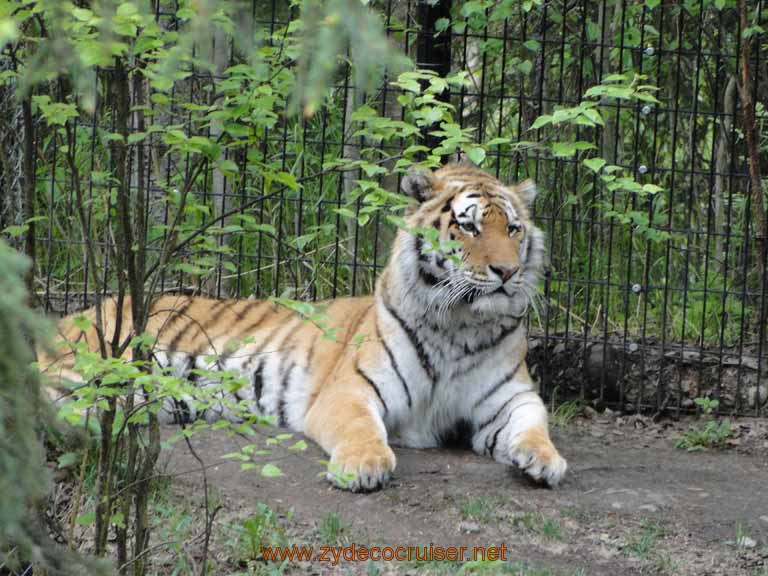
column 631, row 504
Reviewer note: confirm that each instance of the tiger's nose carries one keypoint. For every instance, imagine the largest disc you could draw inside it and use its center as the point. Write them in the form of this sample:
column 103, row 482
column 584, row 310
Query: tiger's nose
column 504, row 272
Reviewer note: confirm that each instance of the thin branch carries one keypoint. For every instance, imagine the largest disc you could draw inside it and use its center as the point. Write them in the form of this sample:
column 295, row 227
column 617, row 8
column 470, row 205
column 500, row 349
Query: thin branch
column 202, row 229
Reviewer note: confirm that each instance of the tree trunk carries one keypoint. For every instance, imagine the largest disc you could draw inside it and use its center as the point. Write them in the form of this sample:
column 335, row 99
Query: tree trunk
column 753, row 139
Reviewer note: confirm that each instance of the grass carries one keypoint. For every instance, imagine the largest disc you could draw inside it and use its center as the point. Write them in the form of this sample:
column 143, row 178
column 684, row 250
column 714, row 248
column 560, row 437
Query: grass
column 175, row 523
column 709, row 435
column 743, row 539
column 435, row 567
column 330, row 531
column 576, row 513
column 536, row 523
column 565, row 412
column 644, row 544
column 665, row 564
column 450, row 568
column 480, row 509
column 262, row 528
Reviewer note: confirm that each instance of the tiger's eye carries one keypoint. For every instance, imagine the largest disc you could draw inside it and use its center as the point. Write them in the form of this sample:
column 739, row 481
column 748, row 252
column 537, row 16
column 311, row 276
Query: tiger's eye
column 513, row 229
column 468, row 227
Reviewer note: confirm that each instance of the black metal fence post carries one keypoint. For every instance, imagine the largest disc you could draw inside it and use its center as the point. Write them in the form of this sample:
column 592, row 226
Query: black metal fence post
column 433, row 47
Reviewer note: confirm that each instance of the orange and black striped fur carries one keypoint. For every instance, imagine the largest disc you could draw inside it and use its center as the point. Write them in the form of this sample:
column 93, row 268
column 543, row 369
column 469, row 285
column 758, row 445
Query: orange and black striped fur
column 443, row 341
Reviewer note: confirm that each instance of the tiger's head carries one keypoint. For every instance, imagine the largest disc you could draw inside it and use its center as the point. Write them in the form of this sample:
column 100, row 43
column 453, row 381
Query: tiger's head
column 490, row 254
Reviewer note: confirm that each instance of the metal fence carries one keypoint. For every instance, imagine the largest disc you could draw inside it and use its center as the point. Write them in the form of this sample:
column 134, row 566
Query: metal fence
column 652, row 300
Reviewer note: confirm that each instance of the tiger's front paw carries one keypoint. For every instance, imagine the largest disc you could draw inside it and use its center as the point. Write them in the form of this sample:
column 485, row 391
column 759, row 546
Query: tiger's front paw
column 535, row 454
column 358, row 467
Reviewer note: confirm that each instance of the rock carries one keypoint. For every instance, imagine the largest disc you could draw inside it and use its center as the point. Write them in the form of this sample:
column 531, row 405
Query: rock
column 746, row 542
column 469, row 527
column 648, row 508
column 589, row 412
column 601, row 367
column 764, row 519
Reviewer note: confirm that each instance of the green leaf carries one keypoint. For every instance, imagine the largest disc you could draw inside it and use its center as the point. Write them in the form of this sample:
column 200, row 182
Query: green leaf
column 238, row 130
column 652, row 188
column 160, row 99
column 86, row 519
column 81, row 322
column 303, row 308
column 82, row 14
column 563, row 149
column 237, row 456
column 271, row 471
column 541, row 121
column 15, row 231
column 135, row 137
column 299, row 446
column 228, row 167
column 532, row 45
column 285, row 178
column 118, row 519
column 566, row 149
column 476, row 155
column 594, row 164
column 266, row 228
column 67, row 459
column 593, row 115
column 442, row 24
column 126, row 10
column 750, row 31
column 57, row 113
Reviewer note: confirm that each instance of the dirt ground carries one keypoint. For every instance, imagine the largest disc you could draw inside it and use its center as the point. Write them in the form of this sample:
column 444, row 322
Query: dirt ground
column 632, row 503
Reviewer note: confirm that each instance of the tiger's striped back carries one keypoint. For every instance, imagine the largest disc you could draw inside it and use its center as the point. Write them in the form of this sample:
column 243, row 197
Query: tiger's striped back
column 274, row 349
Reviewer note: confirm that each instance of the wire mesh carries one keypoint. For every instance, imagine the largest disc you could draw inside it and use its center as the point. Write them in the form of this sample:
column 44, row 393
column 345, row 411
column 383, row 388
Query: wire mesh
column 652, row 300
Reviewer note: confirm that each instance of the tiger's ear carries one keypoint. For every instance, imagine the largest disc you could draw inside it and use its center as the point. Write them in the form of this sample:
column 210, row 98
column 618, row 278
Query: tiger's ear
column 418, row 183
column 527, row 191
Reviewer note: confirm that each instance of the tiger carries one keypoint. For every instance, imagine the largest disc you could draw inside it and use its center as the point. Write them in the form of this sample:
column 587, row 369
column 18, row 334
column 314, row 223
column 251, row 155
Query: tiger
column 443, row 353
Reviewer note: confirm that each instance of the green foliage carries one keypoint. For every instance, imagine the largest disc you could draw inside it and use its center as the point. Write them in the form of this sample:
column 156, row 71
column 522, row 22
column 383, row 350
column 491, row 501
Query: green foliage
column 331, row 529
column 22, row 480
column 479, row 508
column 332, row 27
column 262, row 528
column 565, row 412
column 711, row 434
column 644, row 543
column 537, row 523
column 23, row 476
